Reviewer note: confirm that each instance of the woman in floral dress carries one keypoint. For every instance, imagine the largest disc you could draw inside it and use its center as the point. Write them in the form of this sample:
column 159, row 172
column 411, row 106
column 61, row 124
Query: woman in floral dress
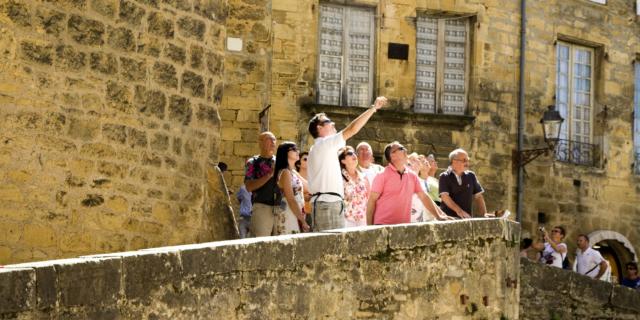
column 356, row 189
column 290, row 217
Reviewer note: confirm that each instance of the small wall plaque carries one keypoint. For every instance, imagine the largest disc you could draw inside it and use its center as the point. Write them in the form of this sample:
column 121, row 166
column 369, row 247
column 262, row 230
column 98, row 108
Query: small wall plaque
column 398, row 51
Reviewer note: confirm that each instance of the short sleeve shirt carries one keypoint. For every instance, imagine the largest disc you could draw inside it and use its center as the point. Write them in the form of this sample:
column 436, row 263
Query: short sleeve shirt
column 396, row 192
column 461, row 193
column 588, row 262
column 256, row 168
column 323, row 172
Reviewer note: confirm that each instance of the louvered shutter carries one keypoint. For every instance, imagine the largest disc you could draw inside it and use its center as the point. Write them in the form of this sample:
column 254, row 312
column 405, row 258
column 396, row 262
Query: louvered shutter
column 330, row 66
column 427, row 50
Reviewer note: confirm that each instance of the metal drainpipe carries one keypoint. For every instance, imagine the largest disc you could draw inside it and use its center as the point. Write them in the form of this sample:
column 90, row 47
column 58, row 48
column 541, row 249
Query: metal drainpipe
column 523, row 40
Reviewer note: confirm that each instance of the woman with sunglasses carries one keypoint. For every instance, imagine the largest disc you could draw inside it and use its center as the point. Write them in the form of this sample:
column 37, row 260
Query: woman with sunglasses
column 290, row 217
column 356, row 189
column 554, row 251
column 302, row 167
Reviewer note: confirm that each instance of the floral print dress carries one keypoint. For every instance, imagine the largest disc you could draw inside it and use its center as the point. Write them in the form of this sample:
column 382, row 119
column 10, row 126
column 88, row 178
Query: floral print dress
column 286, row 221
column 356, row 196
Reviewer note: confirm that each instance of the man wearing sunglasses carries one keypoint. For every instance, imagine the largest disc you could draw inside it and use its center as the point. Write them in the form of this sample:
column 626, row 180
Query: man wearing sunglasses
column 459, row 187
column 632, row 280
column 392, row 191
column 324, row 175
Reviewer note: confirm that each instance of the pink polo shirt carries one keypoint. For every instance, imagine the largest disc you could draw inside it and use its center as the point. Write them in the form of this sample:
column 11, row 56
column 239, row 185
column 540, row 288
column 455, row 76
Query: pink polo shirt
column 396, row 191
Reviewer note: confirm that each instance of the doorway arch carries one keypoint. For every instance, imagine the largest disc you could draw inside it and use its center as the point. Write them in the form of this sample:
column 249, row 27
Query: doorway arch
column 614, row 247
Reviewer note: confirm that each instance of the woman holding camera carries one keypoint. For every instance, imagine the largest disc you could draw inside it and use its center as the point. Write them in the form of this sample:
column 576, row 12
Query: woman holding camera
column 554, row 251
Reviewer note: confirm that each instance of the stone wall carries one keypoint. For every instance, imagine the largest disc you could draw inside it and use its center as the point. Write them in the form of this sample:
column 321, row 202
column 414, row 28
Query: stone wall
column 585, row 198
column 455, row 270
column 109, row 125
column 552, row 293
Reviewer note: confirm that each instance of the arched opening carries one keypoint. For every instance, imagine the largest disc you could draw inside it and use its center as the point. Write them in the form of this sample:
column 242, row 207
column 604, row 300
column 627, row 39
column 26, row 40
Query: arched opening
column 616, row 249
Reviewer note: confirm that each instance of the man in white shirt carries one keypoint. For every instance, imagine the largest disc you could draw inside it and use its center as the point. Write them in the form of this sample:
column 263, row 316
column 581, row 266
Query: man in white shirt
column 324, row 175
column 589, row 262
column 365, row 162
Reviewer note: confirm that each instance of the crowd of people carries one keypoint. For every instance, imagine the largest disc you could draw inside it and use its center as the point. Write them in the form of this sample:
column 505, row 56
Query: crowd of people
column 335, row 185
column 552, row 250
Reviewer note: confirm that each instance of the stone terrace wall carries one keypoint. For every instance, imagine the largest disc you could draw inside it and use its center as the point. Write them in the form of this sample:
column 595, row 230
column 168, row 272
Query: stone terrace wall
column 552, row 293
column 406, row 271
column 108, row 125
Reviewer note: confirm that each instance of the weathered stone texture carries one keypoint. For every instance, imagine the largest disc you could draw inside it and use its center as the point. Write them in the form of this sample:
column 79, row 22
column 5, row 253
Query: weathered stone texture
column 374, row 272
column 93, row 117
column 552, row 293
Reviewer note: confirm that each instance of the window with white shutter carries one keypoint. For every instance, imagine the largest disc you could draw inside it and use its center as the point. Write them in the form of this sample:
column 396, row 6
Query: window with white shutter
column 442, row 63
column 574, row 101
column 636, row 119
column 345, row 66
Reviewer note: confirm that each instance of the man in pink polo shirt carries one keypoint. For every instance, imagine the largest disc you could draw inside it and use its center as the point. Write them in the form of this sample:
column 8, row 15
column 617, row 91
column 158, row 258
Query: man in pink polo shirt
column 393, row 189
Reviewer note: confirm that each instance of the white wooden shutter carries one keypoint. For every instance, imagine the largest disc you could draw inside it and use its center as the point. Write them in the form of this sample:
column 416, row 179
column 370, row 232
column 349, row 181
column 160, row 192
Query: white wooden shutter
column 331, row 55
column 426, row 64
column 455, row 54
column 359, row 62
column 562, row 87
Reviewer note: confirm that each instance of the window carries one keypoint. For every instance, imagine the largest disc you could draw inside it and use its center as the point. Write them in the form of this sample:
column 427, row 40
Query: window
column 574, row 101
column 345, row 66
column 442, row 64
column 636, row 119
column 600, row 1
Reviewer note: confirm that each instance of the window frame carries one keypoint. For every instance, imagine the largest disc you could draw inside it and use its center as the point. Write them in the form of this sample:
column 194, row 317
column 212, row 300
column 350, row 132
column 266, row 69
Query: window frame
column 569, row 127
column 344, row 83
column 440, row 61
column 635, row 124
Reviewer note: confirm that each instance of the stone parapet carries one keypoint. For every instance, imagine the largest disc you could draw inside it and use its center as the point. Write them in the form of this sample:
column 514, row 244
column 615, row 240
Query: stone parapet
column 462, row 269
column 552, row 293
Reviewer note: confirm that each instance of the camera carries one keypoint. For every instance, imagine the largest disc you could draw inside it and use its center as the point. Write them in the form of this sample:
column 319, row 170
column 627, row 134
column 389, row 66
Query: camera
column 541, row 229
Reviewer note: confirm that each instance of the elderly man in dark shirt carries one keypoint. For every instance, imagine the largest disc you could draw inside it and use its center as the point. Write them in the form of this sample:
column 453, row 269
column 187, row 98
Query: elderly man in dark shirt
column 459, row 187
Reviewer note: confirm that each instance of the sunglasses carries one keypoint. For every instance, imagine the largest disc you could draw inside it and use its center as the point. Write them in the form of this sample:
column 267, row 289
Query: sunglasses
column 293, row 149
column 349, row 153
column 461, row 160
column 632, row 268
column 401, row 148
column 326, row 121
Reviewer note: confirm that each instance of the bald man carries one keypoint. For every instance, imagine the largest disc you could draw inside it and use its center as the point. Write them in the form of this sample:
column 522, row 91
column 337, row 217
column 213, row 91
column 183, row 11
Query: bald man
column 259, row 180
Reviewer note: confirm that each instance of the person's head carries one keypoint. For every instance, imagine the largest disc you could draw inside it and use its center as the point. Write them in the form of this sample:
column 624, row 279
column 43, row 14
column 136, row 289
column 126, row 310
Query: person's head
column 365, row 154
column 433, row 165
column 396, row 154
column 223, row 166
column 267, row 143
column 286, row 156
column 348, row 158
column 302, row 162
column 526, row 243
column 414, row 162
column 321, row 126
column 459, row 160
column 632, row 268
column 557, row 233
column 583, row 241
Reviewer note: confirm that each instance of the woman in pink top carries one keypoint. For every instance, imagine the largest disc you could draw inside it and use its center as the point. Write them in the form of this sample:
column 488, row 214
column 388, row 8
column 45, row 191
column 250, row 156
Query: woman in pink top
column 356, row 189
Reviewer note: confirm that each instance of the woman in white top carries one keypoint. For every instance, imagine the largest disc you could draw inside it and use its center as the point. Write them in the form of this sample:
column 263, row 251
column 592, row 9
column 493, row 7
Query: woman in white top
column 553, row 249
column 290, row 217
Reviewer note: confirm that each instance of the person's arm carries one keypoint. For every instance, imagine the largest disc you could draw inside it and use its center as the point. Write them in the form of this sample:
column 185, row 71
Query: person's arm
column 359, row 122
column 253, row 185
column 453, row 206
column 556, row 246
column 285, row 184
column 482, row 207
column 431, row 206
column 371, row 206
column 603, row 269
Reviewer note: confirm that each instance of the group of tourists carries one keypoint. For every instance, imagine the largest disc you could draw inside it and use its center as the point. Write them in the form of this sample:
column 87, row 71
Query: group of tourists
column 335, row 185
column 552, row 250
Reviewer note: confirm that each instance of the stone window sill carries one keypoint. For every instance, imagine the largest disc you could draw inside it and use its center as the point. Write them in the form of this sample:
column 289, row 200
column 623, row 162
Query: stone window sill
column 456, row 122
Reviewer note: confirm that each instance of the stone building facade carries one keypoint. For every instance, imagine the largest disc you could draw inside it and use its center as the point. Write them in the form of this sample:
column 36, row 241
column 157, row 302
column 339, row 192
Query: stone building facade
column 110, row 126
column 451, row 70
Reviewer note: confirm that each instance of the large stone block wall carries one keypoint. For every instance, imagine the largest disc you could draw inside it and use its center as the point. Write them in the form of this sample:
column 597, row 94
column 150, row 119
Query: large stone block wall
column 109, row 125
column 454, row 270
column 552, row 293
column 585, row 198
